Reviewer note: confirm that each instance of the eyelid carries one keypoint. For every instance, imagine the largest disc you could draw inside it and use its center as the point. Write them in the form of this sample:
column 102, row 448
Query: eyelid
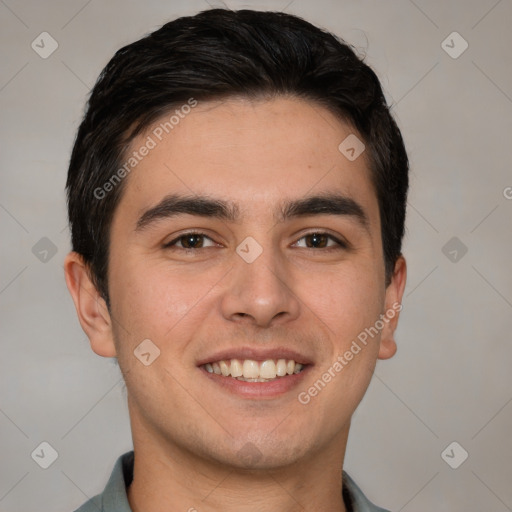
column 172, row 243
column 340, row 241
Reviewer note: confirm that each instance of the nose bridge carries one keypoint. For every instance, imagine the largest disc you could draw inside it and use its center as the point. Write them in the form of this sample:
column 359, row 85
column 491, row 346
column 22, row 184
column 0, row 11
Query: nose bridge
column 260, row 265
column 259, row 287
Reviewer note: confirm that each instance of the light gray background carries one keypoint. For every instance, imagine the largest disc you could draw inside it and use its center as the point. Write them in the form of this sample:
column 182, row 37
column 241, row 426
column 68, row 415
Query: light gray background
column 451, row 378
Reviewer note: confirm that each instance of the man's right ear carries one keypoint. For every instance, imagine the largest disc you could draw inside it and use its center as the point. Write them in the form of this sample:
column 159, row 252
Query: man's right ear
column 91, row 308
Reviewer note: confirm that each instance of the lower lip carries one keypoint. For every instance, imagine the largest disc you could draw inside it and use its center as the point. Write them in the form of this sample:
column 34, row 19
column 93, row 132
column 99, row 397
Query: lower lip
column 270, row 389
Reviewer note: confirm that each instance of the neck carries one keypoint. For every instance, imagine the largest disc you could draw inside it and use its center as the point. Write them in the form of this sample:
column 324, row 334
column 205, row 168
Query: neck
column 169, row 478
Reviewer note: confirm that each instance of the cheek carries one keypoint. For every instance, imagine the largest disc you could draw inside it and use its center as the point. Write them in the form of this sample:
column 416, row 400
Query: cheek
column 154, row 302
column 348, row 301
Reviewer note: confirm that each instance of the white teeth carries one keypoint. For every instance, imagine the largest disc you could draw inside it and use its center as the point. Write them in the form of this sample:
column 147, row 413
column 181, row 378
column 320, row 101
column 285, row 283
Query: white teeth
column 251, row 369
column 268, row 370
column 281, row 367
column 254, row 371
column 236, row 368
column 224, row 368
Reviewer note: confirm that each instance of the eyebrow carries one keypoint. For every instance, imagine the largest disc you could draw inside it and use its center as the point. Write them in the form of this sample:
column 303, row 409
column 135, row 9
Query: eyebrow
column 204, row 206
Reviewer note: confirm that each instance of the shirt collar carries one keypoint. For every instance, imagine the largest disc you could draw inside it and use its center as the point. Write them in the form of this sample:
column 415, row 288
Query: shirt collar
column 115, row 499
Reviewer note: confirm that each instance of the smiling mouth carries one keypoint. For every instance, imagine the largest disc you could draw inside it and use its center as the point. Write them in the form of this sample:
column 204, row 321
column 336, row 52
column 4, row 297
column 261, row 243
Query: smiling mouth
column 249, row 370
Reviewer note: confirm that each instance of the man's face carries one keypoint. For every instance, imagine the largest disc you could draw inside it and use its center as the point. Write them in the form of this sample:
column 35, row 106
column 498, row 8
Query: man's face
column 213, row 297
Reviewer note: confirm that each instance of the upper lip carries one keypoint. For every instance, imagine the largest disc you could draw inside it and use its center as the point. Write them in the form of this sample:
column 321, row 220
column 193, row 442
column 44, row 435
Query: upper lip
column 255, row 354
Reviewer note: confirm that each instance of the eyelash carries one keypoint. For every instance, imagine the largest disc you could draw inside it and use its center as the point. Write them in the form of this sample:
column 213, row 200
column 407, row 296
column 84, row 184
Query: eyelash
column 340, row 243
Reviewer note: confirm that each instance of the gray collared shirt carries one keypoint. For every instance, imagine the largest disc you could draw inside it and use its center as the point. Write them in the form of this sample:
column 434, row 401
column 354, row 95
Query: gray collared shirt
column 114, row 498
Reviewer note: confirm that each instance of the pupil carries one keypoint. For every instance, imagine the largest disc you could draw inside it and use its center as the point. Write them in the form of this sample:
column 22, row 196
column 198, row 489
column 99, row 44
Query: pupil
column 191, row 240
column 317, row 238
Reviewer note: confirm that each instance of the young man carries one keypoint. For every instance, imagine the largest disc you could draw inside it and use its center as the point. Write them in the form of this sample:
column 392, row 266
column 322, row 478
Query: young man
column 237, row 196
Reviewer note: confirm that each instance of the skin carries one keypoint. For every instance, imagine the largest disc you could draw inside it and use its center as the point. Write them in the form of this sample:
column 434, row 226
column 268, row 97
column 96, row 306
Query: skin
column 188, row 432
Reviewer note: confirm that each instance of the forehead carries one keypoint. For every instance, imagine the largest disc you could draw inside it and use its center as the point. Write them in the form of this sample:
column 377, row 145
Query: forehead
column 255, row 151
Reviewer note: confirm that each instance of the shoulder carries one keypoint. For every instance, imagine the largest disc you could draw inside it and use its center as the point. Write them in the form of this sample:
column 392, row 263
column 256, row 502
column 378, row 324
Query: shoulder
column 92, row 505
column 359, row 502
column 114, row 497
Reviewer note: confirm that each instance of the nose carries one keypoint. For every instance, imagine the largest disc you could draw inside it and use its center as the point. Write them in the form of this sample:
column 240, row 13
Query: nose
column 261, row 292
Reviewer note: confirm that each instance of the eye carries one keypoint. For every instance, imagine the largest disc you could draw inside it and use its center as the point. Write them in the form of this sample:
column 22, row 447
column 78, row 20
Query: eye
column 190, row 241
column 314, row 240
column 320, row 240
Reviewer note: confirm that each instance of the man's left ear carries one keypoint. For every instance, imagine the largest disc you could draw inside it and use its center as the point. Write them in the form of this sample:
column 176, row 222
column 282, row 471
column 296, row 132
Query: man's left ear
column 393, row 305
